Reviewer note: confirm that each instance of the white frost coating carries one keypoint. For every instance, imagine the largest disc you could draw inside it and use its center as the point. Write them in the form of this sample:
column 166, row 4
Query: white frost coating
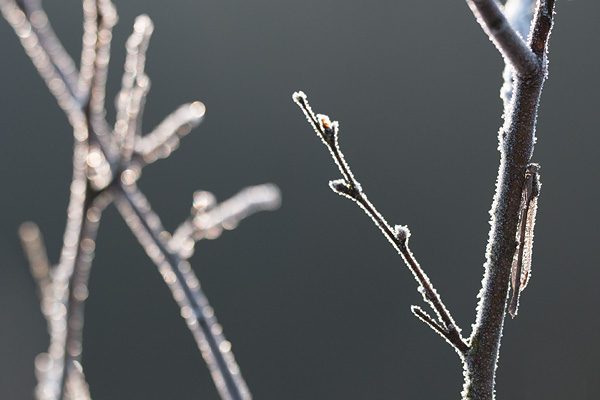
column 46, row 52
column 426, row 318
column 161, row 142
column 134, row 84
column 328, row 131
column 208, row 220
column 99, row 154
column 179, row 277
column 519, row 14
column 402, row 232
column 341, row 187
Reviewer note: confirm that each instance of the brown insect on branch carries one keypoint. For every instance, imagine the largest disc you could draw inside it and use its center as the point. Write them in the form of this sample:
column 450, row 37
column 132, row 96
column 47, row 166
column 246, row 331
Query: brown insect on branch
column 526, row 70
column 107, row 162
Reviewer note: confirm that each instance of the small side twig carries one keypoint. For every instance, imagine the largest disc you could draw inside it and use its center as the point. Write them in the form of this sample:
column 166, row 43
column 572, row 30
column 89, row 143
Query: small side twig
column 186, row 290
column 398, row 236
column 35, row 251
column 208, row 219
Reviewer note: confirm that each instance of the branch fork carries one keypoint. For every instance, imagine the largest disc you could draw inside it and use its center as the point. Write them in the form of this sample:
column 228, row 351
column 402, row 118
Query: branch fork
column 107, row 162
column 525, row 72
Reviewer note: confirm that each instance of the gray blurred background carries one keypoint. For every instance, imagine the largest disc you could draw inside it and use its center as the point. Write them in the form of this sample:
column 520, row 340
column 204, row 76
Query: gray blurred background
column 313, row 298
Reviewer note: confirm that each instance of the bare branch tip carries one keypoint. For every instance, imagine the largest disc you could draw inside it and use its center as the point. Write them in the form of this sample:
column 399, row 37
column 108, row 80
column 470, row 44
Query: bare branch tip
column 143, row 25
column 35, row 251
column 197, row 110
column 301, row 100
column 271, row 195
column 299, row 97
column 203, row 201
column 29, row 232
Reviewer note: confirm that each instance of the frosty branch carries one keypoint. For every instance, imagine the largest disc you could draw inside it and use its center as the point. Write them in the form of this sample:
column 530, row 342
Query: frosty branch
column 525, row 72
column 107, row 162
column 398, row 236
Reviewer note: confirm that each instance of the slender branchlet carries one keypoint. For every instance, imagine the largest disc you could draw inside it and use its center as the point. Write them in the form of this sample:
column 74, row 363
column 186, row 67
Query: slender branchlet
column 164, row 139
column 208, row 219
column 186, row 290
column 398, row 236
column 135, row 85
column 517, row 187
column 35, row 251
column 56, row 67
column 517, row 139
column 107, row 163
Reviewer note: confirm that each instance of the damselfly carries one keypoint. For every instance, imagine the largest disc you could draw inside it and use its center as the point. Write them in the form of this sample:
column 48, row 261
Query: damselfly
column 521, row 267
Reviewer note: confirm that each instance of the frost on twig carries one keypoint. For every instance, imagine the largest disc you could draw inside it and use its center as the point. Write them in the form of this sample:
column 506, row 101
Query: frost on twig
column 516, row 192
column 35, row 250
column 516, row 143
column 208, row 219
column 398, row 236
column 107, row 163
column 519, row 14
column 161, row 142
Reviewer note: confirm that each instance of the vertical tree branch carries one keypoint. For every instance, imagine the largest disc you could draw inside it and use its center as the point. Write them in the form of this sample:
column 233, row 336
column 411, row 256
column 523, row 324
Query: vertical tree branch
column 517, row 138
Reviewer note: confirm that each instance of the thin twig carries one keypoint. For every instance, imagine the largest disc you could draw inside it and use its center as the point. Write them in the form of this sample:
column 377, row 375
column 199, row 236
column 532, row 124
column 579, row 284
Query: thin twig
column 35, row 250
column 134, row 87
column 106, row 17
column 398, row 236
column 423, row 316
column 208, row 219
column 45, row 50
column 184, row 285
column 164, row 139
